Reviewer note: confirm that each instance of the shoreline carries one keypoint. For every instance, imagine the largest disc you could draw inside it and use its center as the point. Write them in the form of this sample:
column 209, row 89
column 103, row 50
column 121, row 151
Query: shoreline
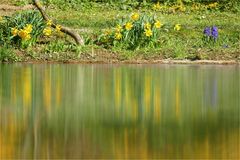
column 127, row 62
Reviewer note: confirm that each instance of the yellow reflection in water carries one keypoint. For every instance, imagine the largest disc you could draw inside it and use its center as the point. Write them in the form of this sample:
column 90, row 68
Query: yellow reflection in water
column 134, row 109
column 157, row 103
column 147, row 94
column 58, row 93
column 117, row 90
column 47, row 91
column 8, row 138
column 13, row 90
column 27, row 87
column 177, row 100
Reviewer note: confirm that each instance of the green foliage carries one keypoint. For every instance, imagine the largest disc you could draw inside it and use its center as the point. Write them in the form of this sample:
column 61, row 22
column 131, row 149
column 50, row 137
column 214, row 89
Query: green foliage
column 59, row 46
column 7, row 55
column 23, row 29
column 22, row 2
column 136, row 32
column 56, row 46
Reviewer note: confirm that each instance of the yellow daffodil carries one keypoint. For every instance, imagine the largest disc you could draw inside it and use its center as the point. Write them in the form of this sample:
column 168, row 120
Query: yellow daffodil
column 147, row 25
column 156, row 6
column 14, row 31
column 118, row 28
column 195, row 7
column 28, row 28
column 177, row 27
column 182, row 8
column 1, row 18
column 47, row 31
column 58, row 28
column 118, row 36
column 24, row 34
column 213, row 5
column 128, row 26
column 157, row 24
column 28, row 37
column 135, row 16
column 49, row 22
column 148, row 32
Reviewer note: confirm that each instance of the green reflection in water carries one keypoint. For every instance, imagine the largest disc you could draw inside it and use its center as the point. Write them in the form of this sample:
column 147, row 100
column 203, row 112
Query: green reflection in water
column 104, row 111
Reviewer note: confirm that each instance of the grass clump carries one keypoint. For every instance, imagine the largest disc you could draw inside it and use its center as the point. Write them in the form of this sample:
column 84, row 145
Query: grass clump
column 7, row 55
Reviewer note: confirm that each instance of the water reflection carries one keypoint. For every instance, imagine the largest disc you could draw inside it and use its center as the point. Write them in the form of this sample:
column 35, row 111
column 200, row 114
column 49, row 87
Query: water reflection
column 102, row 111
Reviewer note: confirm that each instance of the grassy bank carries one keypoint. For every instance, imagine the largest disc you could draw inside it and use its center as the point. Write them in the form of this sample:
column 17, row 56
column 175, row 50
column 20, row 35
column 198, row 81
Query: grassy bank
column 93, row 20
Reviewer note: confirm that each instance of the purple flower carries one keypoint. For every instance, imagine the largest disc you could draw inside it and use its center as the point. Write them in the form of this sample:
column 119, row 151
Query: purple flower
column 214, row 32
column 207, row 31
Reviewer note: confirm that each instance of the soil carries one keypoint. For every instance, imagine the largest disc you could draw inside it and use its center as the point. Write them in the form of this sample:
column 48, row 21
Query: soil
column 110, row 58
column 6, row 9
column 183, row 62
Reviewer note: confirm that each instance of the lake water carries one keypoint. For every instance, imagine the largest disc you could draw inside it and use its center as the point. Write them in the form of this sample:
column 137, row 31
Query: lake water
column 116, row 111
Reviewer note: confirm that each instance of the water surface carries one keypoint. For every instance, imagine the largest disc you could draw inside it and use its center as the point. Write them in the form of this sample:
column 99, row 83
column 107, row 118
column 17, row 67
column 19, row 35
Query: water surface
column 114, row 111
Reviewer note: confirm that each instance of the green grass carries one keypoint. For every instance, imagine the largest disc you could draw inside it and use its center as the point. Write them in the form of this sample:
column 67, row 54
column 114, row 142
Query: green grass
column 179, row 45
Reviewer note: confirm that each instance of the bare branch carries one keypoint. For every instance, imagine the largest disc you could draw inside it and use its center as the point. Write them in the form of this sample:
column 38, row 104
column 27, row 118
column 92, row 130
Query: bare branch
column 78, row 39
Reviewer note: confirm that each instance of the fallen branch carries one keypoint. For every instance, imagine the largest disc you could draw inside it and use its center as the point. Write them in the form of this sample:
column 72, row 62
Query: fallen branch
column 78, row 39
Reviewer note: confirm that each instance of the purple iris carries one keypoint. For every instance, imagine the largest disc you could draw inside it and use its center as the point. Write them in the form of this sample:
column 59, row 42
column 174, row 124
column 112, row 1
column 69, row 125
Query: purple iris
column 207, row 31
column 214, row 32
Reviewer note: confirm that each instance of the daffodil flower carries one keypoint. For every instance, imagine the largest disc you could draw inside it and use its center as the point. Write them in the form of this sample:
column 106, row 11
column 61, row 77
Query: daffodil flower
column 182, row 8
column 14, row 31
column 157, row 24
column 49, row 22
column 118, row 28
column 128, row 26
column 148, row 32
column 58, row 28
column 28, row 37
column 28, row 28
column 213, row 5
column 47, row 31
column 147, row 25
column 135, row 16
column 118, row 36
column 156, row 6
column 24, row 35
column 177, row 27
